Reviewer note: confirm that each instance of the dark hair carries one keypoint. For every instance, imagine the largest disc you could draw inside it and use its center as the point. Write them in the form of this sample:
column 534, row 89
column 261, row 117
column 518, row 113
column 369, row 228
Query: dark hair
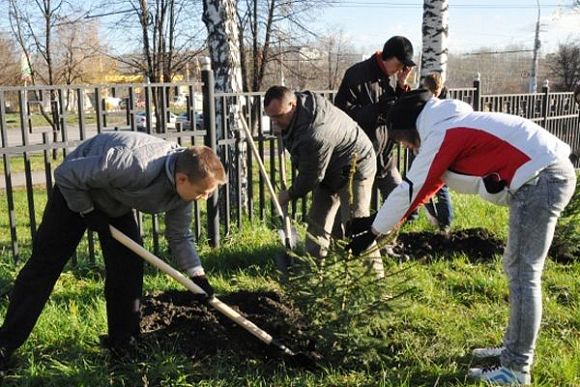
column 276, row 92
column 410, row 136
column 200, row 162
column 404, row 113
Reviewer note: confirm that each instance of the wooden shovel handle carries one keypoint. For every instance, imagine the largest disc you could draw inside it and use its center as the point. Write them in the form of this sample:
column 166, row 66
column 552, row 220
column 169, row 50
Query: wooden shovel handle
column 282, row 161
column 189, row 284
column 260, row 164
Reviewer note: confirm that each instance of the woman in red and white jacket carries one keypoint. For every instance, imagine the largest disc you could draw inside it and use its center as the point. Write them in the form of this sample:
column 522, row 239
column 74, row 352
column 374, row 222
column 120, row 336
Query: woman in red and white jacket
column 505, row 159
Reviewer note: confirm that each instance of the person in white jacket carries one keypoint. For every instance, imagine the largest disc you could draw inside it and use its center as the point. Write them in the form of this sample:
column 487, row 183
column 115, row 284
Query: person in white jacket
column 505, row 159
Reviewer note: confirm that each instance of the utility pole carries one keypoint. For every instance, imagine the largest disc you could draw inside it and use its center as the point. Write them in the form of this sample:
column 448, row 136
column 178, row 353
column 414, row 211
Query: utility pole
column 533, row 85
column 330, row 82
column 282, row 79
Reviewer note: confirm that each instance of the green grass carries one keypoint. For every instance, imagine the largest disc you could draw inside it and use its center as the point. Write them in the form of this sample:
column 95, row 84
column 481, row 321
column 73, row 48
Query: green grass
column 458, row 305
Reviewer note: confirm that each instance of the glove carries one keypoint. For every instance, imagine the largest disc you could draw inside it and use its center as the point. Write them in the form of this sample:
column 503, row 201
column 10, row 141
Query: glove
column 97, row 221
column 361, row 242
column 493, row 183
column 358, row 225
column 202, row 282
column 385, row 102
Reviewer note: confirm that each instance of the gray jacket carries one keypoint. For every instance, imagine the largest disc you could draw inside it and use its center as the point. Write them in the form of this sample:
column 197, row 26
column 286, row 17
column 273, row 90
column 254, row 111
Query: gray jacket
column 121, row 171
column 321, row 139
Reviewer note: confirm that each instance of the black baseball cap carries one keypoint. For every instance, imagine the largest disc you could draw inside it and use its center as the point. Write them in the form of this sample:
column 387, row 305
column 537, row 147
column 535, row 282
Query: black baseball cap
column 401, row 48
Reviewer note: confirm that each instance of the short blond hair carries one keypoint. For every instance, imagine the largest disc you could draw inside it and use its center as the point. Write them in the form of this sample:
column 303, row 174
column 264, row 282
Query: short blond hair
column 200, row 162
column 434, row 83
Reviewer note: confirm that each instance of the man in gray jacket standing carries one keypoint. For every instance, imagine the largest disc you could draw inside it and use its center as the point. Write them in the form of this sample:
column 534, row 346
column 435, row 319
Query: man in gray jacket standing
column 322, row 141
column 98, row 184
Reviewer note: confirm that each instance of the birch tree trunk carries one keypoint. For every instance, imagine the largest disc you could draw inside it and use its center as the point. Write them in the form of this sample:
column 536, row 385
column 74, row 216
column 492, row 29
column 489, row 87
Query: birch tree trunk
column 221, row 21
column 435, row 31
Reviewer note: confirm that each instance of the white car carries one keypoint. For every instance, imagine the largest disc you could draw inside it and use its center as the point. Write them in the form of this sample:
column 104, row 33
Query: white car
column 141, row 121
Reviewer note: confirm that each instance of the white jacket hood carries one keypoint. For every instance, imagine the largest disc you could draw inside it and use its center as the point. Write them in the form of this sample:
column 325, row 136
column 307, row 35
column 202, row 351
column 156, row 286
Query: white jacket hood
column 446, row 109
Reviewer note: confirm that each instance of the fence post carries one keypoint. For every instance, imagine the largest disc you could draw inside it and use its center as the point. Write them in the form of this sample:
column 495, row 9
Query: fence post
column 477, row 94
column 208, row 90
column 8, row 179
column 545, row 104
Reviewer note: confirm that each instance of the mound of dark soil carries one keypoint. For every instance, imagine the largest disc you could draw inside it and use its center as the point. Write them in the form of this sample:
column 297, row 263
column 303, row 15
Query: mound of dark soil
column 180, row 322
column 477, row 243
column 179, row 319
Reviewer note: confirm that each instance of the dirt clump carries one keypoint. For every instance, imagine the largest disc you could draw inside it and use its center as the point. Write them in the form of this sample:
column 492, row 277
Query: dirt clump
column 179, row 321
column 190, row 326
column 478, row 244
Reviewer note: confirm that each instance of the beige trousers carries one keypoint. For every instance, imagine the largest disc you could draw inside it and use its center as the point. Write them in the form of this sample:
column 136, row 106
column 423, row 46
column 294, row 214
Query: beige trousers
column 325, row 205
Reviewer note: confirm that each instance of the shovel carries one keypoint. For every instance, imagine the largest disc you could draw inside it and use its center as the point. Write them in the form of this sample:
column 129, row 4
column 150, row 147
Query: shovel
column 289, row 234
column 299, row 358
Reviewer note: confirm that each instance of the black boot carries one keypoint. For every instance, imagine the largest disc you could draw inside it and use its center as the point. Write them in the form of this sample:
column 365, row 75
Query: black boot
column 120, row 349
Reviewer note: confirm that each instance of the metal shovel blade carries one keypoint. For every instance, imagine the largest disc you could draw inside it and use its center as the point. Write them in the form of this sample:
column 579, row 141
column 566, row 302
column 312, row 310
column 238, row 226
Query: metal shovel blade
column 292, row 240
column 297, row 359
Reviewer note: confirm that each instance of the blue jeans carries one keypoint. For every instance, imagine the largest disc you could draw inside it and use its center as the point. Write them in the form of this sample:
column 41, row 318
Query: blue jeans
column 534, row 211
column 443, row 210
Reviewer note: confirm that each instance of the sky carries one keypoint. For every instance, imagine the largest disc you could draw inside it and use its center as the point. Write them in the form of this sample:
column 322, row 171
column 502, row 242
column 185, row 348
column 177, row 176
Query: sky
column 473, row 24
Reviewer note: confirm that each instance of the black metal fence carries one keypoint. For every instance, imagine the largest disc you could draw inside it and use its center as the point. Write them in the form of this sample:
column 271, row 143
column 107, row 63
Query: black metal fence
column 38, row 125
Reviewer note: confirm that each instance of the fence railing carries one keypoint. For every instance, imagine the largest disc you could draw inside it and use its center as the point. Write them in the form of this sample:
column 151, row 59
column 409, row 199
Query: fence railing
column 39, row 125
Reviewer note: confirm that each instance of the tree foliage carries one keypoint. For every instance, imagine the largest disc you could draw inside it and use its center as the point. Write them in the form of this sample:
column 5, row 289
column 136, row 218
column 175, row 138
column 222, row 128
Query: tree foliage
column 564, row 65
column 8, row 61
column 270, row 30
column 154, row 38
column 346, row 305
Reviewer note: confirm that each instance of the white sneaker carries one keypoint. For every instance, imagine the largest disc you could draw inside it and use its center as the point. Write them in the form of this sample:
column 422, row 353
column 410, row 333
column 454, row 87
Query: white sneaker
column 500, row 375
column 487, row 352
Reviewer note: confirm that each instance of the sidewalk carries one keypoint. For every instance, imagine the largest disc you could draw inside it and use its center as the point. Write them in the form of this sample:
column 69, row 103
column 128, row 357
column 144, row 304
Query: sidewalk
column 19, row 179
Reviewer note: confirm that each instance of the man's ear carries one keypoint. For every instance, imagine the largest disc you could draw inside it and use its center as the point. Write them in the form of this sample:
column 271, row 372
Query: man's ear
column 181, row 177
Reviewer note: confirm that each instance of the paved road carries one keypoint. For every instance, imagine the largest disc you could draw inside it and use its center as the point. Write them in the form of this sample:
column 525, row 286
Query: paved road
column 15, row 135
column 35, row 138
column 15, row 139
column 19, row 179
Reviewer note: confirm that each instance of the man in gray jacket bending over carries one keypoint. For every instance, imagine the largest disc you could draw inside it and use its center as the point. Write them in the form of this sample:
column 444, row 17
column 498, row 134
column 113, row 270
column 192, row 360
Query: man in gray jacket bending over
column 322, row 140
column 98, row 184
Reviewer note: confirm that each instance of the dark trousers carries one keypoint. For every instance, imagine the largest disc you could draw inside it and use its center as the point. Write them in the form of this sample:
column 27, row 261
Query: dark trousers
column 56, row 240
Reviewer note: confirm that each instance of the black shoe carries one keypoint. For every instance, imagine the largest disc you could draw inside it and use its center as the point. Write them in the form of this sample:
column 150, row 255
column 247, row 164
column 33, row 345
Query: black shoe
column 120, row 349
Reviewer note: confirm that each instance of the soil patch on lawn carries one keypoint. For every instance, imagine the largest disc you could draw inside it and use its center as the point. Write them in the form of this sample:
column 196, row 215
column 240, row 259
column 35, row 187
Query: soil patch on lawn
column 181, row 320
column 477, row 243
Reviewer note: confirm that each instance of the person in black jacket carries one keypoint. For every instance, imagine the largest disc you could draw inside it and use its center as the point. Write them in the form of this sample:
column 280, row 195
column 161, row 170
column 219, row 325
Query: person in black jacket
column 366, row 93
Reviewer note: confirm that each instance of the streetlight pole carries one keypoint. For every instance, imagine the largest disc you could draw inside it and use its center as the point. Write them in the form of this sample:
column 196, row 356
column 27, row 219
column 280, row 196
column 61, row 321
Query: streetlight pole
column 533, row 85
